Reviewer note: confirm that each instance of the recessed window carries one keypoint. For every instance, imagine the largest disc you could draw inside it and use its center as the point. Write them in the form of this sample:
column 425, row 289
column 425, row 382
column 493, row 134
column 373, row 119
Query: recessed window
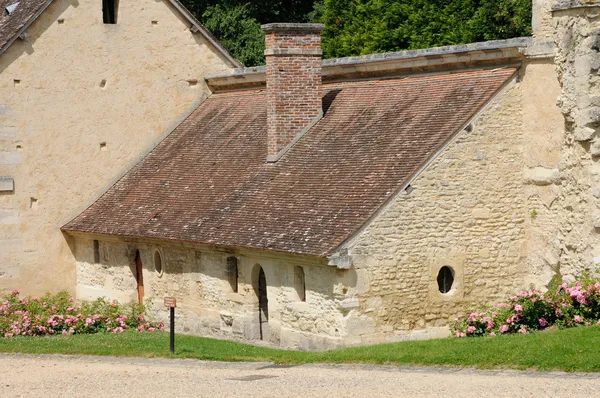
column 109, row 11
column 233, row 273
column 158, row 266
column 445, row 279
column 299, row 283
column 96, row 252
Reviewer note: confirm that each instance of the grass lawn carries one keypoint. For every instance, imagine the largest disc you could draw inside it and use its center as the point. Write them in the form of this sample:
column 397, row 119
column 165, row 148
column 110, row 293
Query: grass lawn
column 570, row 350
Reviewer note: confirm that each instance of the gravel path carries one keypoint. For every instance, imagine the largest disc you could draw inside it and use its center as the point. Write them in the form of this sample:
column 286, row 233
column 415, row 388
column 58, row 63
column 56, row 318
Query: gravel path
column 82, row 376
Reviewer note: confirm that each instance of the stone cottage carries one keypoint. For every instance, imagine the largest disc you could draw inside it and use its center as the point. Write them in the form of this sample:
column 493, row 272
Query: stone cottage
column 366, row 199
column 86, row 89
column 312, row 204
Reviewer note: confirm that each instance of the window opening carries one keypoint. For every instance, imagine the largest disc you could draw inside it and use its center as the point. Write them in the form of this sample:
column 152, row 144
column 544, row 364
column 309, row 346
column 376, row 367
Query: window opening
column 158, row 263
column 109, row 11
column 299, row 283
column 445, row 279
column 96, row 252
column 232, row 273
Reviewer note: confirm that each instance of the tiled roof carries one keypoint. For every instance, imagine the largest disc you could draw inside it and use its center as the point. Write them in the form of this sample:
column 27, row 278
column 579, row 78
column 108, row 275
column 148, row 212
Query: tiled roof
column 21, row 16
column 208, row 182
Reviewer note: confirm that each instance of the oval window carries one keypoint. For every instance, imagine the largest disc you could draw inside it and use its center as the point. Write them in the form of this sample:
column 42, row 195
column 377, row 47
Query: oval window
column 445, row 279
column 158, row 263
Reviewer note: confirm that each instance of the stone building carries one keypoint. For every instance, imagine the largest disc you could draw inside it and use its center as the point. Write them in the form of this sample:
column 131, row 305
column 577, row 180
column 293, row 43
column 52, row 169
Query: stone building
column 86, row 89
column 317, row 204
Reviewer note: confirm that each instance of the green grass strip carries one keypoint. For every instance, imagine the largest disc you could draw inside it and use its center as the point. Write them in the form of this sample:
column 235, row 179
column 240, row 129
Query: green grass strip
column 571, row 350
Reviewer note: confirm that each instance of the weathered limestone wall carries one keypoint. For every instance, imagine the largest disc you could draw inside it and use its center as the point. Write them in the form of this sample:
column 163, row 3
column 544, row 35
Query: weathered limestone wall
column 207, row 305
column 80, row 103
column 577, row 35
column 476, row 208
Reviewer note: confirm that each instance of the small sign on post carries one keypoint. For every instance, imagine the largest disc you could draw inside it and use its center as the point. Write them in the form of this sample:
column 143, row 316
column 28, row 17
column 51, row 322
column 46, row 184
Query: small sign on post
column 171, row 302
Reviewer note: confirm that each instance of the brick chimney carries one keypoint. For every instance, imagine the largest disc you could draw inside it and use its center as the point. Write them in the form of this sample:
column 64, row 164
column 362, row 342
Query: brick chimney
column 293, row 58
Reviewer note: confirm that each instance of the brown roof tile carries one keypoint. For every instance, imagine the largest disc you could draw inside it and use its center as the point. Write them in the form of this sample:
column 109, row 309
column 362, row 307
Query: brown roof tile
column 208, row 182
column 11, row 25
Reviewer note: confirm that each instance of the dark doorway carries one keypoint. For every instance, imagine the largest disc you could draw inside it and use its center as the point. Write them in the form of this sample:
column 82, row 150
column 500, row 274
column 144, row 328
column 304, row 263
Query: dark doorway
column 139, row 276
column 263, row 306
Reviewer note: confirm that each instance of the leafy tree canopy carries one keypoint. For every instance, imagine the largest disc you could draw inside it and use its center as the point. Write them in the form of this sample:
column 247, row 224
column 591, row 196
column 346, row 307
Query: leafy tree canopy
column 358, row 27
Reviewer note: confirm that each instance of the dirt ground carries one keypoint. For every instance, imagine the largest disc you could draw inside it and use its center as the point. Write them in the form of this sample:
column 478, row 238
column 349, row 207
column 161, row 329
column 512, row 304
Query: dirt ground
column 81, row 376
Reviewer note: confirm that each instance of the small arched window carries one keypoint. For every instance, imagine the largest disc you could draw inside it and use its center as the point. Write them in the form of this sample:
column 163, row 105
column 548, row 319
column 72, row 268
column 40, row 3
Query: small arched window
column 300, row 283
column 158, row 265
column 232, row 273
column 445, row 279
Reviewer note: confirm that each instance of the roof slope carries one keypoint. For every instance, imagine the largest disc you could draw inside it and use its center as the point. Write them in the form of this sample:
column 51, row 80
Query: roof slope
column 21, row 17
column 208, row 182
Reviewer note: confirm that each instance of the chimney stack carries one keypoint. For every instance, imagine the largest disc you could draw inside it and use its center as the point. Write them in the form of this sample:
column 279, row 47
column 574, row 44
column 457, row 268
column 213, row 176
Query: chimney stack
column 293, row 58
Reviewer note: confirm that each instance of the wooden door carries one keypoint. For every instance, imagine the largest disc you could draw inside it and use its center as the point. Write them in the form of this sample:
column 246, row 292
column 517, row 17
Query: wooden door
column 139, row 276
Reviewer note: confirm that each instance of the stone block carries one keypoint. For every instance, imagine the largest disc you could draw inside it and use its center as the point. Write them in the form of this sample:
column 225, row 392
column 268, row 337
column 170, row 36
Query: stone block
column 7, row 132
column 5, row 110
column 7, row 184
column 583, row 134
column 10, row 158
column 11, row 245
column 9, row 270
column 542, row 176
column 9, row 217
column 481, row 213
column 595, row 147
column 596, row 220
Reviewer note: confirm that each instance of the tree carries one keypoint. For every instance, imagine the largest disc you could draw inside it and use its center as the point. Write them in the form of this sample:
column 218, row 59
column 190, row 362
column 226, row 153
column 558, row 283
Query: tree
column 358, row 27
column 238, row 31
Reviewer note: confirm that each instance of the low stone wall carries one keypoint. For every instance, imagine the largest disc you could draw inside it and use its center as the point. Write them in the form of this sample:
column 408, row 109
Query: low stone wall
column 207, row 305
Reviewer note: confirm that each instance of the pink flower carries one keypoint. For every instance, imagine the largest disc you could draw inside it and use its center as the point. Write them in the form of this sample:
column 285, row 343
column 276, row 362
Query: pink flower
column 518, row 308
column 577, row 319
column 598, row 323
column 503, row 329
column 471, row 329
column 64, row 332
column 14, row 292
column 492, row 334
column 543, row 322
column 523, row 330
column 461, row 335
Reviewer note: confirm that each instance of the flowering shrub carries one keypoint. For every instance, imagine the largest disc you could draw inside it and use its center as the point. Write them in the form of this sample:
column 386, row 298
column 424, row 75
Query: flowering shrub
column 572, row 305
column 59, row 314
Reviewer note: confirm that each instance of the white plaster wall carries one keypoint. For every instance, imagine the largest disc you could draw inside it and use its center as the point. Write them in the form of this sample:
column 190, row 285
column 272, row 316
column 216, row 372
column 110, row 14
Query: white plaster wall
column 75, row 84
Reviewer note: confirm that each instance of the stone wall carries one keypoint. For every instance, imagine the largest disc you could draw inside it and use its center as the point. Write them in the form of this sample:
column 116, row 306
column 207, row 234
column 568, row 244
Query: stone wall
column 80, row 103
column 207, row 305
column 577, row 35
column 478, row 208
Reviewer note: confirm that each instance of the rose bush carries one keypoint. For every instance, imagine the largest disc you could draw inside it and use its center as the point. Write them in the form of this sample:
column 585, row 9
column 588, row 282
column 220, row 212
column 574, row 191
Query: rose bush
column 60, row 314
column 577, row 304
